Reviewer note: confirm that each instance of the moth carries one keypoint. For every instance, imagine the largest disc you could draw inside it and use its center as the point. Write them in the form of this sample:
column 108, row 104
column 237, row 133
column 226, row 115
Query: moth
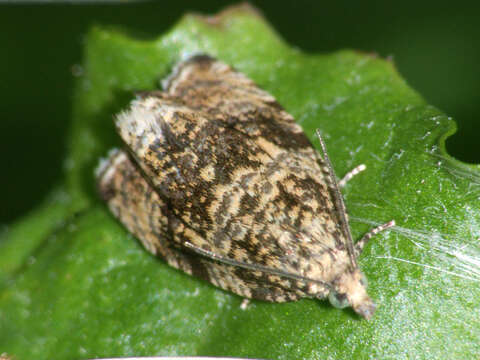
column 218, row 180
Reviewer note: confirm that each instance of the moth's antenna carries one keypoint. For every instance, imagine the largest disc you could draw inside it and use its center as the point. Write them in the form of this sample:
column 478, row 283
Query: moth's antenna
column 254, row 267
column 337, row 195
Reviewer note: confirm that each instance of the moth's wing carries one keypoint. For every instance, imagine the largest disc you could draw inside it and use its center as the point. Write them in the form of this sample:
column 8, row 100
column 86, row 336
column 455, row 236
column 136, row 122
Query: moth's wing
column 227, row 95
column 210, row 85
column 215, row 88
column 195, row 164
column 138, row 207
column 222, row 93
column 184, row 154
column 235, row 195
column 132, row 201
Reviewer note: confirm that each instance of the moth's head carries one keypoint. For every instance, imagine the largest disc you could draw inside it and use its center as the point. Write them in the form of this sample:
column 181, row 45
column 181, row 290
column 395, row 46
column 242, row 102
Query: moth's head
column 350, row 289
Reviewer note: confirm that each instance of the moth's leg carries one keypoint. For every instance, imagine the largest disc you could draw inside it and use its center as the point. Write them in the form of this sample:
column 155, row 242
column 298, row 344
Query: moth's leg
column 363, row 241
column 358, row 169
column 341, row 183
column 244, row 304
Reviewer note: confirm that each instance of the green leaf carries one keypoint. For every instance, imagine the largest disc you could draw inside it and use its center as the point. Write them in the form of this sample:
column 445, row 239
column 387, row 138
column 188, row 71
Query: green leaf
column 75, row 285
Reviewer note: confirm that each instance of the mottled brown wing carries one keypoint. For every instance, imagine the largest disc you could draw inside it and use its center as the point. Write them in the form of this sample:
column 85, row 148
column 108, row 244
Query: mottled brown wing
column 140, row 209
column 228, row 95
column 242, row 182
column 132, row 200
column 213, row 87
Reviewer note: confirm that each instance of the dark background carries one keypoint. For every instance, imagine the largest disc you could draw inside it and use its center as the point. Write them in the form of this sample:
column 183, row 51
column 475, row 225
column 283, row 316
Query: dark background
column 435, row 45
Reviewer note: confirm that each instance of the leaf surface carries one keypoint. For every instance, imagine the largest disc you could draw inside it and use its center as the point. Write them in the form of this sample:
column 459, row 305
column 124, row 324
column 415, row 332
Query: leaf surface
column 75, row 285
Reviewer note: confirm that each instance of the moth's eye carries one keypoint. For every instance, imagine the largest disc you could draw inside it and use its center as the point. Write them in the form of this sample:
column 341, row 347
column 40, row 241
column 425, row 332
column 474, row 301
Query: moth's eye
column 364, row 281
column 337, row 300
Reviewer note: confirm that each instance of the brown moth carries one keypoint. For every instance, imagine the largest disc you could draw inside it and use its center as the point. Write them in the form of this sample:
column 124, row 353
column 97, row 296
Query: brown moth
column 219, row 181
